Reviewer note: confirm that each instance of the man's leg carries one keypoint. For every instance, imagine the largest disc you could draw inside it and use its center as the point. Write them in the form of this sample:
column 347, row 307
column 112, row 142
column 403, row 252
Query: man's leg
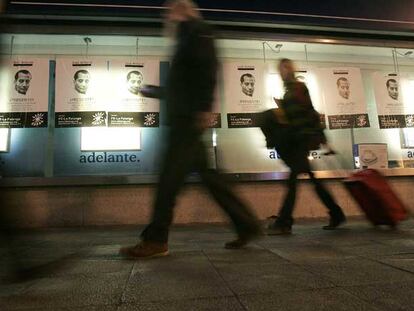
column 286, row 212
column 178, row 161
column 284, row 221
column 177, row 164
column 335, row 211
column 245, row 222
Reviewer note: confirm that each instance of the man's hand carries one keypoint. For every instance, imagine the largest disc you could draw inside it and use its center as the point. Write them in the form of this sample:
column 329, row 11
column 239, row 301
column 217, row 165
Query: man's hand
column 152, row 91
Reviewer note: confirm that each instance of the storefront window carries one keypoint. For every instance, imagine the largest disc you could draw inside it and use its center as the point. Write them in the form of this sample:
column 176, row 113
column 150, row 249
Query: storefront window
column 73, row 106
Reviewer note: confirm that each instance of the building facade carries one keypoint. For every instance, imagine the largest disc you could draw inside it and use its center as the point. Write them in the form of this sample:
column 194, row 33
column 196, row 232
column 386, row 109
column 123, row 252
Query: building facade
column 79, row 145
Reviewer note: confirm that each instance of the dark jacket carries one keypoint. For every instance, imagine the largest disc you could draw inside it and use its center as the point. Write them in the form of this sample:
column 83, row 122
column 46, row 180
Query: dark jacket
column 301, row 133
column 193, row 72
column 302, row 116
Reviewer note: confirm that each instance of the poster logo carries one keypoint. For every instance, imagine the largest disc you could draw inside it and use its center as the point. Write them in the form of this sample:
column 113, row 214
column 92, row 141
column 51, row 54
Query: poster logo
column 361, row 121
column 409, row 121
column 150, row 119
column 38, row 119
column 98, row 118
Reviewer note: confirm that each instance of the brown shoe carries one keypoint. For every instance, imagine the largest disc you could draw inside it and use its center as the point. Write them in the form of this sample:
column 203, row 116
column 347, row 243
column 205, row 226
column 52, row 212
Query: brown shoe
column 145, row 249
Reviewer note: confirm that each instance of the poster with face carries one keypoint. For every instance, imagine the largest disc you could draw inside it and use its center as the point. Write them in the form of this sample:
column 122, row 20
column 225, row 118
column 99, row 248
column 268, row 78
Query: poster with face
column 343, row 96
column 244, row 85
column 127, row 107
column 389, row 100
column 82, row 91
column 24, row 92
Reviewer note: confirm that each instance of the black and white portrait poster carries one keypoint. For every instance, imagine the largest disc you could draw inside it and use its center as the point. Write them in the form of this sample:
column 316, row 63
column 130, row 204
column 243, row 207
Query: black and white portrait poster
column 82, row 92
column 245, row 96
column 394, row 98
column 24, row 92
column 127, row 107
column 343, row 96
column 389, row 100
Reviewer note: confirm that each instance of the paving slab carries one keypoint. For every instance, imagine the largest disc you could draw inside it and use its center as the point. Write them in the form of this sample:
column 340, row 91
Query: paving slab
column 177, row 277
column 69, row 291
column 206, row 304
column 371, row 250
column 310, row 253
column 248, row 278
column 355, row 268
column 353, row 272
column 321, row 300
column 404, row 261
column 387, row 296
column 84, row 308
column 253, row 254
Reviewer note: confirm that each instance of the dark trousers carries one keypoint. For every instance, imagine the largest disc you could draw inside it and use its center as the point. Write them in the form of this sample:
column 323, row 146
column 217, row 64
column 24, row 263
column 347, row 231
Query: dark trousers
column 186, row 153
column 9, row 236
column 285, row 214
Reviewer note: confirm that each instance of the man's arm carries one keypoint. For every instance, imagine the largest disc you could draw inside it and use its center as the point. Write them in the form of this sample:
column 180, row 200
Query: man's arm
column 153, row 91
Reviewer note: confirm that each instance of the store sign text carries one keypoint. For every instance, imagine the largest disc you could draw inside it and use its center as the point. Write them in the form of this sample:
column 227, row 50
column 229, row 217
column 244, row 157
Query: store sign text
column 105, row 157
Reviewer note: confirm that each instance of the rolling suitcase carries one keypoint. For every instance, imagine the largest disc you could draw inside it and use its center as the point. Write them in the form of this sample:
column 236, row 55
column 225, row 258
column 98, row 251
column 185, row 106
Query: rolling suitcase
column 376, row 198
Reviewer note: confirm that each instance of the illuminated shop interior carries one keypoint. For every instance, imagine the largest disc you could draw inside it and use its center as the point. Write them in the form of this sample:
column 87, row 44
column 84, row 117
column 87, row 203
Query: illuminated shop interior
column 236, row 151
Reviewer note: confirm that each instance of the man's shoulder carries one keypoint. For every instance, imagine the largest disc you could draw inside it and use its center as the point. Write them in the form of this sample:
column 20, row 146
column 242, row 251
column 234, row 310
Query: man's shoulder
column 299, row 86
column 201, row 28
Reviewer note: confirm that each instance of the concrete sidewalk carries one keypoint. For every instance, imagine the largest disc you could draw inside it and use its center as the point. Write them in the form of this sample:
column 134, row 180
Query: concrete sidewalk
column 355, row 268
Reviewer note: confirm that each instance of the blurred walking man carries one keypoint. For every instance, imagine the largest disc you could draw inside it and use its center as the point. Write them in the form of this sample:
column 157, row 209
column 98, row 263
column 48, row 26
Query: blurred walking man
column 189, row 96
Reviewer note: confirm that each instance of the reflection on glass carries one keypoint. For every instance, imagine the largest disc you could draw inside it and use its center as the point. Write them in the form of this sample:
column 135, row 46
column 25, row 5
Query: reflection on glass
column 110, row 139
column 4, row 140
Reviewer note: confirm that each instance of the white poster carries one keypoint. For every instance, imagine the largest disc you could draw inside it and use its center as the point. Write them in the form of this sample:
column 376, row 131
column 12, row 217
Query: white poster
column 244, row 85
column 394, row 98
column 82, row 92
column 389, row 100
column 407, row 87
column 127, row 106
column 343, row 96
column 24, row 92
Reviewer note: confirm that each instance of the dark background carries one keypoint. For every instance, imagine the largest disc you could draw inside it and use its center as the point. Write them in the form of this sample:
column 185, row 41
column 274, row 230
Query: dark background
column 382, row 14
